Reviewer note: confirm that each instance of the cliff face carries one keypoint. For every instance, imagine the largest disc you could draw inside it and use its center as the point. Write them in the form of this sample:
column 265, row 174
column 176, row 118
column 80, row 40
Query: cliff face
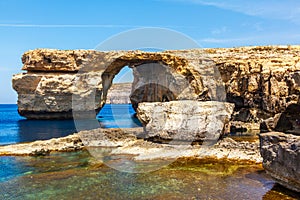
column 262, row 82
column 119, row 93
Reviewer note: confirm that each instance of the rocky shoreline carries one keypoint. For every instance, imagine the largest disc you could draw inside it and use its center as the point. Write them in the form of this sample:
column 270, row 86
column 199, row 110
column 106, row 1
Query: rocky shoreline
column 125, row 141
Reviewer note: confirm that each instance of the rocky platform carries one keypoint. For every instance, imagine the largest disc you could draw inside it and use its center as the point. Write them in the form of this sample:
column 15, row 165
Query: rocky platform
column 125, row 141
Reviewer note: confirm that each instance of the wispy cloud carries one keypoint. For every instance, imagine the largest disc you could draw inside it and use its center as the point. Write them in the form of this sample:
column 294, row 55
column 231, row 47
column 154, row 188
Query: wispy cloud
column 280, row 38
column 276, row 9
column 67, row 25
column 86, row 26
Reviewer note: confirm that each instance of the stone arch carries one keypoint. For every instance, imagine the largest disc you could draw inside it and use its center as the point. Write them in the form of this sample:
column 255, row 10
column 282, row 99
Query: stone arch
column 66, row 84
column 181, row 81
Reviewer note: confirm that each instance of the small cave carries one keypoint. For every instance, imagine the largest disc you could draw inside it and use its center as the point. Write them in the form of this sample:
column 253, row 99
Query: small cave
column 156, row 82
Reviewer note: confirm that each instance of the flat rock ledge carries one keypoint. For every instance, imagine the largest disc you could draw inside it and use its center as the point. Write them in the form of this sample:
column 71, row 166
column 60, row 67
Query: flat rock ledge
column 125, row 141
column 43, row 147
column 281, row 158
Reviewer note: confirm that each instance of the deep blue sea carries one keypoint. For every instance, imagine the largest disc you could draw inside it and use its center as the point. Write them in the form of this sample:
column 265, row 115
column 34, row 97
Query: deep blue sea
column 15, row 129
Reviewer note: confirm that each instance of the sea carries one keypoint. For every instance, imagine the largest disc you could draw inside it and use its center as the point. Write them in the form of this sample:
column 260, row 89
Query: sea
column 76, row 175
column 16, row 129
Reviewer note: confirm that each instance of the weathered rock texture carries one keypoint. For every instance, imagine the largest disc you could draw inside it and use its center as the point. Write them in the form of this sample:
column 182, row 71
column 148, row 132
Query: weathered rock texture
column 185, row 120
column 281, row 158
column 59, row 82
column 262, row 82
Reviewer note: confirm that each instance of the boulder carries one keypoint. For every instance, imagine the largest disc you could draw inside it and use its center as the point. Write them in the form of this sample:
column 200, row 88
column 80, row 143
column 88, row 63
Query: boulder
column 185, row 120
column 281, row 158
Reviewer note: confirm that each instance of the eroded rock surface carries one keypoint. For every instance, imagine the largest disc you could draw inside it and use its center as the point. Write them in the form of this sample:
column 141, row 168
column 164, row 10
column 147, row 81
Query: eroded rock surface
column 185, row 120
column 281, row 158
column 262, row 82
column 59, row 82
column 43, row 147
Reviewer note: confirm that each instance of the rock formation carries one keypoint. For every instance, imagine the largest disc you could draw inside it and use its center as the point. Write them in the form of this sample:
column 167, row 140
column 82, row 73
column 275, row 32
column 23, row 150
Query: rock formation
column 185, row 120
column 281, row 158
column 262, row 82
column 57, row 83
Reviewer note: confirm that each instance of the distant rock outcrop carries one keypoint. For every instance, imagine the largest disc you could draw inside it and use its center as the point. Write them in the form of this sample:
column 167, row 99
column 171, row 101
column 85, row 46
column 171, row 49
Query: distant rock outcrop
column 119, row 93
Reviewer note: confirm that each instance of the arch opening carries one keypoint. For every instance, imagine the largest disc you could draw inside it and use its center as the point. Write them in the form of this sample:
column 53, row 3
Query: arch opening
column 156, row 78
column 117, row 111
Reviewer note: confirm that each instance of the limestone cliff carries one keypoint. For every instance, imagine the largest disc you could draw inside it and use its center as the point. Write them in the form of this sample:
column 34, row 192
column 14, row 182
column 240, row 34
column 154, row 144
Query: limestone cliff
column 119, row 93
column 262, row 82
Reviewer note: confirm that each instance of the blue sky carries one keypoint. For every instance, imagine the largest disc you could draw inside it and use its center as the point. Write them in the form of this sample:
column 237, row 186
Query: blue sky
column 69, row 24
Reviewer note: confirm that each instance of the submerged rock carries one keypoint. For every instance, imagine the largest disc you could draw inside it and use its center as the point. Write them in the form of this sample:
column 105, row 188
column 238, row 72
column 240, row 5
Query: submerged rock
column 185, row 120
column 281, row 158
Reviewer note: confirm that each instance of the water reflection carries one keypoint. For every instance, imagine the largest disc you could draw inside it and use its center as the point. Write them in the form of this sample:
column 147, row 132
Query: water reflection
column 31, row 130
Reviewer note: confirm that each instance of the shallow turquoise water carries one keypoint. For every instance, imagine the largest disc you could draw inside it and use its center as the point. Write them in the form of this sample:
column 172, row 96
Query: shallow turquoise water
column 77, row 175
